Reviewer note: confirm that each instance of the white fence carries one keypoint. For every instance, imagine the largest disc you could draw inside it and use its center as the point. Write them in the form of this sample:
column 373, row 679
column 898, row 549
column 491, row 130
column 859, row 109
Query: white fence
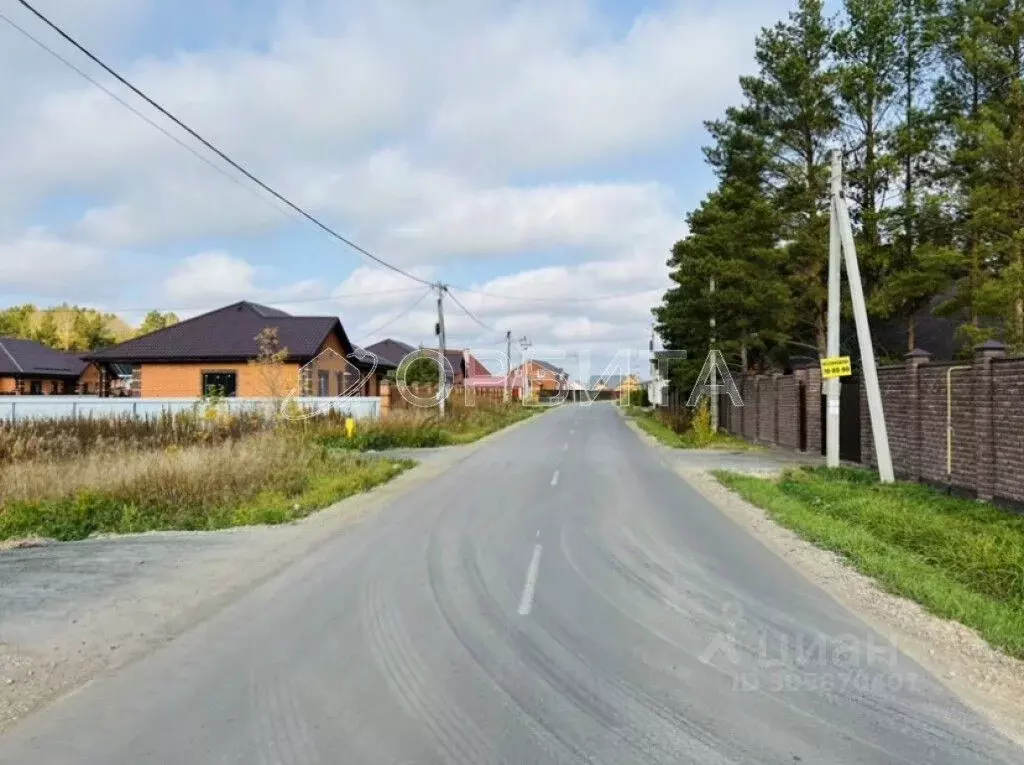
column 17, row 408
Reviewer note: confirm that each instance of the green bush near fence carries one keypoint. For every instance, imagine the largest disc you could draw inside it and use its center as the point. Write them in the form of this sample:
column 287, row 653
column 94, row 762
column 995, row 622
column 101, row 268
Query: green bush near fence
column 686, row 429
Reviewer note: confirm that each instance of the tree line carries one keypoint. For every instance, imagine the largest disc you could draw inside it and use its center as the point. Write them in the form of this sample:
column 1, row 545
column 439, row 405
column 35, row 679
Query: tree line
column 74, row 328
column 925, row 98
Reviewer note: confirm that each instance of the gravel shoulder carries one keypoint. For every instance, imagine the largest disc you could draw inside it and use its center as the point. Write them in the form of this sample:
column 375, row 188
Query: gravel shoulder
column 69, row 611
column 989, row 681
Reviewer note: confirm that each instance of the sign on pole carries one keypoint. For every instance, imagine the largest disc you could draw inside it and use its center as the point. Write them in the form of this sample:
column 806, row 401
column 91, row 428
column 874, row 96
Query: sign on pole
column 836, row 366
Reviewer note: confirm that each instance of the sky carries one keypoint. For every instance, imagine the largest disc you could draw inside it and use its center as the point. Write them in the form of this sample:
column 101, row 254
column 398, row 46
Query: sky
column 539, row 156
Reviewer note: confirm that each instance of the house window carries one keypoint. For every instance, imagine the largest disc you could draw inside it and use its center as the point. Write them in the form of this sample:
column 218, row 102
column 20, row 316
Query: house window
column 323, row 384
column 220, row 384
column 35, row 387
column 341, row 383
column 85, row 388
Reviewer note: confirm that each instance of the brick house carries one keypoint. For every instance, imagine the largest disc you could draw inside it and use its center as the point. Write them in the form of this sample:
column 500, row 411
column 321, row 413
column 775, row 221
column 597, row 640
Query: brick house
column 616, row 383
column 30, row 368
column 464, row 364
column 542, row 377
column 214, row 352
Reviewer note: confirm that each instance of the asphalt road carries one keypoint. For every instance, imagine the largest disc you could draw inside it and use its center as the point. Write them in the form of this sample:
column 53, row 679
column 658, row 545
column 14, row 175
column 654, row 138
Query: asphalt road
column 559, row 596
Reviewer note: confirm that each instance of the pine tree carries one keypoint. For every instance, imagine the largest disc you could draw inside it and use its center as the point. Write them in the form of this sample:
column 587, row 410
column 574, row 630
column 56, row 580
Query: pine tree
column 974, row 81
column 733, row 239
column 792, row 99
column 867, row 51
column 920, row 257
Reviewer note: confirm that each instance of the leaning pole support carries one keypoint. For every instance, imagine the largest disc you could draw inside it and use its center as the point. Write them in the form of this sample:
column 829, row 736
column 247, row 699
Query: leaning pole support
column 840, row 221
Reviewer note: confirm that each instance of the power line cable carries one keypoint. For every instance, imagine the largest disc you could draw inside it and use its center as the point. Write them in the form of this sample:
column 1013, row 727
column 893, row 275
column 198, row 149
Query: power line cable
column 143, row 117
column 470, row 314
column 240, row 168
column 291, row 205
column 398, row 316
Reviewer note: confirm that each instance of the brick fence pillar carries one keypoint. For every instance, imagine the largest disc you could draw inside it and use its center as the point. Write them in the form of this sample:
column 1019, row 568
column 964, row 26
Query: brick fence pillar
column 915, row 443
column 104, row 391
column 757, row 409
column 385, row 398
column 984, row 416
column 777, row 399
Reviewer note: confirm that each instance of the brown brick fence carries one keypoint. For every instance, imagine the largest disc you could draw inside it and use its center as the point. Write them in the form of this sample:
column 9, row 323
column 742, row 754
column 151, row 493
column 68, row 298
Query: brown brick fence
column 985, row 402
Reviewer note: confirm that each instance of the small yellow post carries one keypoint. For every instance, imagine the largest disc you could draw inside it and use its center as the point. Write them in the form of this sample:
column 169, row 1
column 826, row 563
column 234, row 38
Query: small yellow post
column 350, row 427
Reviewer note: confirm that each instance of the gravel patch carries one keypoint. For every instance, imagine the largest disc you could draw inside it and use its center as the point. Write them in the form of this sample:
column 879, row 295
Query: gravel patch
column 69, row 611
column 986, row 679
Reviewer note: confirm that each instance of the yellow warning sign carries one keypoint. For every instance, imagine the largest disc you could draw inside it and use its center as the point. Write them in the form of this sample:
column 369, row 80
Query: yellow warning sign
column 837, row 366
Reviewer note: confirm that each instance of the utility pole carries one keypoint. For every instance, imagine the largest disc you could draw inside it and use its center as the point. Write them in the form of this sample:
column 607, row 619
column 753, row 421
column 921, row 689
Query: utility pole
column 834, row 306
column 441, row 378
column 525, row 345
column 508, row 361
column 841, row 224
column 714, row 367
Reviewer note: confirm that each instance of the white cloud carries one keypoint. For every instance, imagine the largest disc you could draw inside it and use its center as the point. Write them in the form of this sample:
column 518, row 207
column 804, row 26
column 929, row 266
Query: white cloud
column 40, row 262
column 506, row 220
column 563, row 105
column 469, row 92
column 209, row 279
column 431, row 133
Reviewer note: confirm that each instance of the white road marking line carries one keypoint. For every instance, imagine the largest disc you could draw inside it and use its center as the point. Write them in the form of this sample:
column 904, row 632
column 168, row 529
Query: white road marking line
column 526, row 602
column 554, row 479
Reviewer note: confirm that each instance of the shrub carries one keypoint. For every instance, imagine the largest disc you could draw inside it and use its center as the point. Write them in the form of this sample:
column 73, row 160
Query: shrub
column 703, row 434
column 676, row 420
column 639, row 398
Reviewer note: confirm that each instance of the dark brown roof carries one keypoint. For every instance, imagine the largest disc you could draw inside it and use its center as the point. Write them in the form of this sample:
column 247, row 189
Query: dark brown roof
column 27, row 357
column 228, row 333
column 390, row 351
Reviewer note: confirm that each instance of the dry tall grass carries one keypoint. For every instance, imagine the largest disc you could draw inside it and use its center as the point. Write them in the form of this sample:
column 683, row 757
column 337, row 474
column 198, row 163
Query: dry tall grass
column 270, row 477
column 75, row 437
column 225, row 470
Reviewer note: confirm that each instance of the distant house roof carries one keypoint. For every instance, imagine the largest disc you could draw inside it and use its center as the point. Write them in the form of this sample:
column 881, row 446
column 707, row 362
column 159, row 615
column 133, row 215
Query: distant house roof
column 394, row 351
column 228, row 333
column 610, row 381
column 549, row 366
column 27, row 357
column 391, row 351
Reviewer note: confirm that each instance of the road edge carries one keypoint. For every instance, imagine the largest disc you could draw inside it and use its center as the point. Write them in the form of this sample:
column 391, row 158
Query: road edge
column 986, row 680
column 45, row 676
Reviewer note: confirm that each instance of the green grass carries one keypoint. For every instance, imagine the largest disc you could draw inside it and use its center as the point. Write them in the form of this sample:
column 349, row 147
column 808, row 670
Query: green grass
column 265, row 479
column 420, row 428
column 960, row 559
column 651, row 424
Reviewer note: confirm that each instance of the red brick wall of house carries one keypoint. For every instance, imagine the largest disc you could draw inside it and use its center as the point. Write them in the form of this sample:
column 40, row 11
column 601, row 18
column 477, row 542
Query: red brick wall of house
column 185, row 380
column 90, row 377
